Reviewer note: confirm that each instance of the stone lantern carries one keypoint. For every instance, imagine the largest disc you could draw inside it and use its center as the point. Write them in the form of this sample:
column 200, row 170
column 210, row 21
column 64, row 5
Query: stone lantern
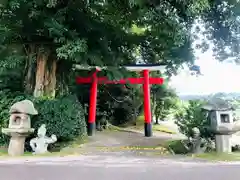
column 222, row 123
column 19, row 126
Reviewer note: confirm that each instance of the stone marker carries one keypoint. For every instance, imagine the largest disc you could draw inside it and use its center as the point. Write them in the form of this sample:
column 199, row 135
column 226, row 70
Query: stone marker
column 196, row 144
column 19, row 126
column 40, row 144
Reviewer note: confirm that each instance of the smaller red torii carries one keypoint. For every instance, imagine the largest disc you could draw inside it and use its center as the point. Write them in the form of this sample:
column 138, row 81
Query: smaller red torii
column 145, row 80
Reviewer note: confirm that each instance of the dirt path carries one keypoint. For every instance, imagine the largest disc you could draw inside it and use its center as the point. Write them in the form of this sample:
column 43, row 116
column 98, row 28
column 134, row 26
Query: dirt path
column 121, row 142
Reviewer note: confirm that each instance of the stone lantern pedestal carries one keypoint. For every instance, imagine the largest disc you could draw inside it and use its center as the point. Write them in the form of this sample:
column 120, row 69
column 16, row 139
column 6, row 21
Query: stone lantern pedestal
column 17, row 140
column 223, row 143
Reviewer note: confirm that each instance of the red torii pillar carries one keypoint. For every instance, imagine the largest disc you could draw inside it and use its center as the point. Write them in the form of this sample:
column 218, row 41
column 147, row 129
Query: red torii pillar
column 147, row 105
column 145, row 80
column 92, row 105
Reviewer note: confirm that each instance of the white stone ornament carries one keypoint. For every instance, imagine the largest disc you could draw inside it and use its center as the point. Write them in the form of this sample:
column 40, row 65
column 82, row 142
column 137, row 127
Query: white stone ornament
column 40, row 144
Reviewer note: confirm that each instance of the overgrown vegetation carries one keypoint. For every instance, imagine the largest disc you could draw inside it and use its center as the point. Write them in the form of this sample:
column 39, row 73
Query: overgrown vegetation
column 40, row 41
column 63, row 117
column 193, row 116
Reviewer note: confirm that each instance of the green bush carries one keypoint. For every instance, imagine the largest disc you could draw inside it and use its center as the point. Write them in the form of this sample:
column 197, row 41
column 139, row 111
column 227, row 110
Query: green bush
column 63, row 117
column 7, row 99
column 176, row 147
column 193, row 116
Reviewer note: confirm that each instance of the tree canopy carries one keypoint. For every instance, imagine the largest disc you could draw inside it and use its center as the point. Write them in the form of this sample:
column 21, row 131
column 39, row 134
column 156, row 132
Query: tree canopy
column 43, row 38
column 221, row 22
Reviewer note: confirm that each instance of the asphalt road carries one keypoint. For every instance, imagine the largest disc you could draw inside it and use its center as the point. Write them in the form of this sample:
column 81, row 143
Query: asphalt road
column 115, row 167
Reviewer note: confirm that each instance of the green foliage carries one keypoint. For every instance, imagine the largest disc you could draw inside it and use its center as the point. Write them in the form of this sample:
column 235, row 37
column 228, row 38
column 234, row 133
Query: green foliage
column 63, row 117
column 120, row 103
column 221, row 21
column 11, row 68
column 176, row 147
column 191, row 117
column 125, row 103
column 164, row 100
column 102, row 32
column 7, row 99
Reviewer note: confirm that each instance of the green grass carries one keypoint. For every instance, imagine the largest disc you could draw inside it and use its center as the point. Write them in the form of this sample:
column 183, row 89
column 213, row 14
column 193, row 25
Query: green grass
column 219, row 156
column 177, row 147
column 156, row 127
column 48, row 154
column 162, row 128
column 3, row 152
column 114, row 128
column 140, row 126
column 141, row 150
column 71, row 148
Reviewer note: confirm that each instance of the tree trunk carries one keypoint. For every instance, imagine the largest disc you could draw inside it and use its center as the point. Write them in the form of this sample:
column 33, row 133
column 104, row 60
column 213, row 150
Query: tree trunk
column 63, row 77
column 45, row 82
column 154, row 105
column 50, row 78
column 29, row 75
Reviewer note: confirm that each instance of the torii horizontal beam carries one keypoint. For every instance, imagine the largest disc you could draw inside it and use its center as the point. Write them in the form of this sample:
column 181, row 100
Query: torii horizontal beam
column 135, row 68
column 105, row 80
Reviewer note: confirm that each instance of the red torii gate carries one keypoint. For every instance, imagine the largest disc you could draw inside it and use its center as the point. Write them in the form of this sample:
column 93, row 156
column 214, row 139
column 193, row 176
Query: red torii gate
column 145, row 80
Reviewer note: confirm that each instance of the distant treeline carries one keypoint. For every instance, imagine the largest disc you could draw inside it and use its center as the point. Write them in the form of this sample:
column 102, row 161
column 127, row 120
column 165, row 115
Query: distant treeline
column 219, row 95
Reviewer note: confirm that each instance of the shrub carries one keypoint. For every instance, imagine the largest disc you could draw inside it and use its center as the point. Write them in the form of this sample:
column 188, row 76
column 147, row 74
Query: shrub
column 193, row 116
column 7, row 99
column 63, row 117
column 176, row 147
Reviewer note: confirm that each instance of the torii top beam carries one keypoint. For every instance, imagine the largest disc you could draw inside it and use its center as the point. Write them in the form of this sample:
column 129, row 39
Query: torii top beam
column 137, row 67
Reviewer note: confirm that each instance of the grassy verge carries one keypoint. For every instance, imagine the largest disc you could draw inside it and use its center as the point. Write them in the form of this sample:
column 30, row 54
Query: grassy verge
column 156, row 127
column 71, row 148
column 4, row 154
column 140, row 150
column 48, row 154
column 177, row 147
column 162, row 128
column 219, row 156
column 114, row 128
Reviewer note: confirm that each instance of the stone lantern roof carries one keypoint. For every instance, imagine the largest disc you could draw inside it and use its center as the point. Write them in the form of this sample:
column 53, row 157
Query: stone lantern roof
column 218, row 104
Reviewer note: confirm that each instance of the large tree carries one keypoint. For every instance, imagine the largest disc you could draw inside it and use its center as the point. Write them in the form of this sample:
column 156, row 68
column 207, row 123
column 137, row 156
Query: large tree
column 221, row 21
column 43, row 38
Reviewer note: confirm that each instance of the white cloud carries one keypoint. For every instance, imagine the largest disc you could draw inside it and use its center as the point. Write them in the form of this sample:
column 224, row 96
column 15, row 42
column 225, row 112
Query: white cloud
column 218, row 77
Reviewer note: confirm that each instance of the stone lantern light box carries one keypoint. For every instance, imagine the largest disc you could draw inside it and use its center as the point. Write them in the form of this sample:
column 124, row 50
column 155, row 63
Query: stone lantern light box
column 220, row 115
